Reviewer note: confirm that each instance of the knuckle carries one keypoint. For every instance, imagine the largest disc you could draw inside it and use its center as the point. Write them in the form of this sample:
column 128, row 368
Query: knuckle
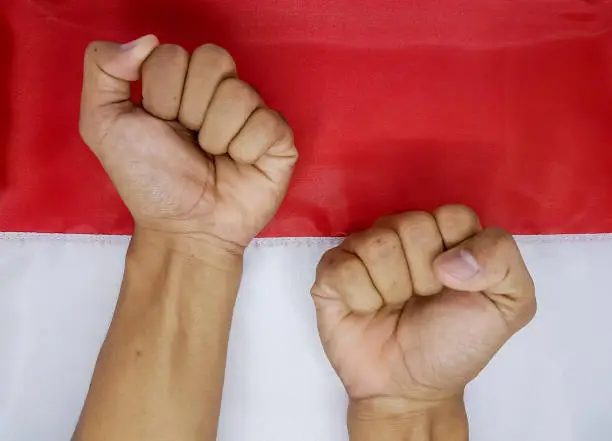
column 337, row 265
column 498, row 232
column 527, row 313
column 284, row 129
column 268, row 118
column 283, row 125
column 325, row 281
column 375, row 244
column 366, row 304
column 170, row 51
column 427, row 288
column 235, row 89
column 417, row 226
column 531, row 310
column 389, row 221
column 455, row 214
column 530, row 290
column 347, row 268
column 328, row 262
column 216, row 57
column 271, row 121
column 501, row 239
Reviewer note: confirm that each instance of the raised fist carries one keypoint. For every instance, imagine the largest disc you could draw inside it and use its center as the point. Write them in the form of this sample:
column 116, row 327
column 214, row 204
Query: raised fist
column 203, row 157
column 413, row 309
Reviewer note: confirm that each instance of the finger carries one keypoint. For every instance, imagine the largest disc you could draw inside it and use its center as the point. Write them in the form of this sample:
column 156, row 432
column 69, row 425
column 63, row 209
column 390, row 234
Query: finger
column 380, row 249
column 208, row 67
column 231, row 106
column 456, row 223
column 342, row 276
column 492, row 263
column 266, row 141
column 109, row 68
column 421, row 242
column 163, row 77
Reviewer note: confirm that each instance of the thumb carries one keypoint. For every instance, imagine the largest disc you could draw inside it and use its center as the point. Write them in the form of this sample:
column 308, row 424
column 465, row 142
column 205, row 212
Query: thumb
column 491, row 262
column 109, row 68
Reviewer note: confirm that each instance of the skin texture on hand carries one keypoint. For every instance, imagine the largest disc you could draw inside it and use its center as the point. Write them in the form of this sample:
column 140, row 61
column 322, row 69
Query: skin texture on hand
column 203, row 165
column 413, row 309
column 203, row 157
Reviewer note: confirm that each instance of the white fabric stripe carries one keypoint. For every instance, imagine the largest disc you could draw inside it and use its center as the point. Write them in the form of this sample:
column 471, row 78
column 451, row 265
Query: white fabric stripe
column 282, row 241
column 57, row 294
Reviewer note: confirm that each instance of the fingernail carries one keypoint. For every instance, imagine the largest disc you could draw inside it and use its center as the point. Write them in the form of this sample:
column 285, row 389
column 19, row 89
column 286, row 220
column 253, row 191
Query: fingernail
column 459, row 264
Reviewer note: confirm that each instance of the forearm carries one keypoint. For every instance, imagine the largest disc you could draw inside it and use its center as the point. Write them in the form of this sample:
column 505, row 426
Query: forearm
column 160, row 372
column 369, row 421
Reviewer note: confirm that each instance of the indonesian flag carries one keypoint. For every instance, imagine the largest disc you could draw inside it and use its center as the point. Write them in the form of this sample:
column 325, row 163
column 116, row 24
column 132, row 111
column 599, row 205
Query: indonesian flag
column 502, row 105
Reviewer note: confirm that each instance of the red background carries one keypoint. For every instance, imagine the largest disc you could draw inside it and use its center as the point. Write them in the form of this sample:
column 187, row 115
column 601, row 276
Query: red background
column 503, row 105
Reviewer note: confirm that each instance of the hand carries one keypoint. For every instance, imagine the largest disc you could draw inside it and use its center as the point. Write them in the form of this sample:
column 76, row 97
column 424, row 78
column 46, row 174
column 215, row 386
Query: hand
column 413, row 309
column 203, row 157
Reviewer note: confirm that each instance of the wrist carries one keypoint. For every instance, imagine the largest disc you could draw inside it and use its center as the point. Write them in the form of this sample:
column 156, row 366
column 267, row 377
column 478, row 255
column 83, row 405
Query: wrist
column 170, row 280
column 396, row 419
column 177, row 273
column 213, row 252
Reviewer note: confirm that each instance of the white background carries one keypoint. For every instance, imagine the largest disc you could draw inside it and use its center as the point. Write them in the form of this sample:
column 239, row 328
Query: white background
column 57, row 294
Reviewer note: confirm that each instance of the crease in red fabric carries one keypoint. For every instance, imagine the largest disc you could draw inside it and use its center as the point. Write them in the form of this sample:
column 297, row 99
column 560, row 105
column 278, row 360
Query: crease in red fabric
column 505, row 106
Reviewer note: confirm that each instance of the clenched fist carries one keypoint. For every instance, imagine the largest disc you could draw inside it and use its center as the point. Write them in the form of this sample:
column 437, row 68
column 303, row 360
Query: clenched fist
column 413, row 309
column 203, row 157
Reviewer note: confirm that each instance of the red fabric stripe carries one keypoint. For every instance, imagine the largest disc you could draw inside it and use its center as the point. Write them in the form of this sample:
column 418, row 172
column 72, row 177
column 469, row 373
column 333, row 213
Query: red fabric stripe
column 396, row 105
